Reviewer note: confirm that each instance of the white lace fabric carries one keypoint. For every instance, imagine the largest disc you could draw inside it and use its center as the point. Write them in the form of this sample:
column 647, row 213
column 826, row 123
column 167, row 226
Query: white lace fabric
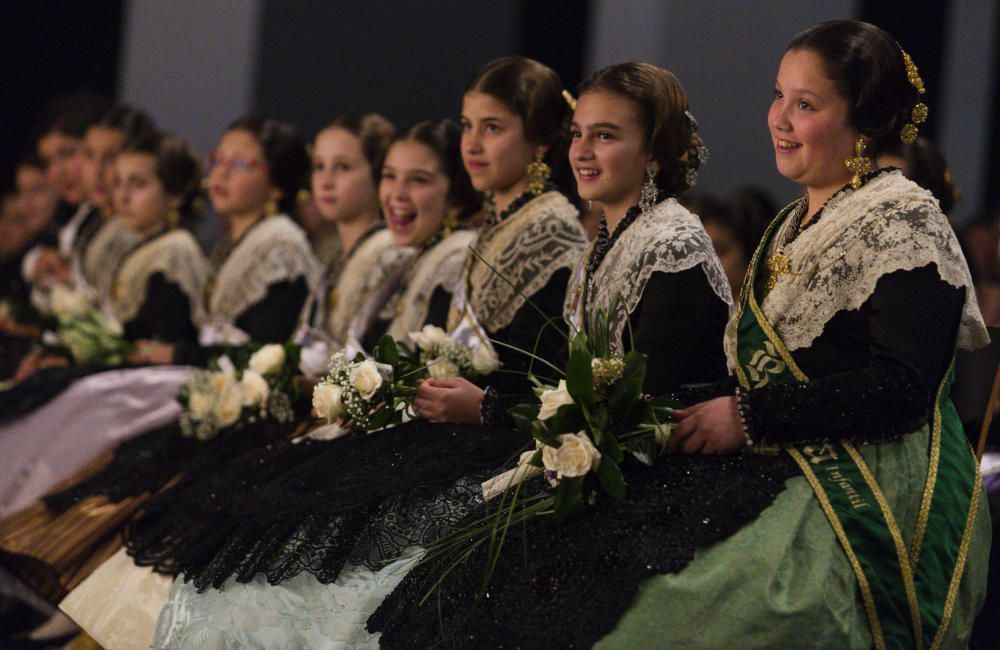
column 275, row 250
column 366, row 269
column 178, row 257
column 100, row 259
column 526, row 248
column 669, row 239
column 890, row 224
column 440, row 266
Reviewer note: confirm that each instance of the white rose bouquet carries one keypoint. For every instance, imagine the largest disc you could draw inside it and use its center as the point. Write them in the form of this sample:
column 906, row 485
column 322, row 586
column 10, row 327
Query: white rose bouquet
column 584, row 426
column 83, row 333
column 369, row 392
column 445, row 357
column 259, row 386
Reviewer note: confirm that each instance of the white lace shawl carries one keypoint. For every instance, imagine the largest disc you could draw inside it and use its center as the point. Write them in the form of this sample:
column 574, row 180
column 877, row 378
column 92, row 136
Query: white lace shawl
column 889, row 224
column 103, row 254
column 669, row 239
column 275, row 250
column 440, row 266
column 527, row 248
column 366, row 269
column 177, row 256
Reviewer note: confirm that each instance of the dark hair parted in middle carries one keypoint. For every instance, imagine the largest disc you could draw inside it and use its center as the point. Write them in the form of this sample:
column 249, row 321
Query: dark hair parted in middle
column 177, row 167
column 375, row 133
column 285, row 153
column 662, row 106
column 444, row 138
column 866, row 65
column 533, row 92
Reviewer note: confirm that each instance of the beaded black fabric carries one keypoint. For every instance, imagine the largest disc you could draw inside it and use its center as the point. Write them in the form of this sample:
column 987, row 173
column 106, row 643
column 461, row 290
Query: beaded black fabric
column 573, row 581
column 877, row 404
column 294, row 507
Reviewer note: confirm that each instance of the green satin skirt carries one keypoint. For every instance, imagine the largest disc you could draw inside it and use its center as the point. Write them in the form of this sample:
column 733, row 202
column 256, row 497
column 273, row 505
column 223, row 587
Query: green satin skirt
column 783, row 581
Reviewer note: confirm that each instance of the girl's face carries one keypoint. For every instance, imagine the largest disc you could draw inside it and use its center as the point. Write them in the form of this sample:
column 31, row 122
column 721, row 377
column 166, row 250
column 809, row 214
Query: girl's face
column 342, row 183
column 810, row 124
column 139, row 196
column 62, row 155
column 608, row 152
column 494, row 149
column 238, row 181
column 413, row 192
column 101, row 145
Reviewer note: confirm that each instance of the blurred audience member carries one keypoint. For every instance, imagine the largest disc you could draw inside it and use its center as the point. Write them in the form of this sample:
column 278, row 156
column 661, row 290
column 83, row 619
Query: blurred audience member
column 981, row 244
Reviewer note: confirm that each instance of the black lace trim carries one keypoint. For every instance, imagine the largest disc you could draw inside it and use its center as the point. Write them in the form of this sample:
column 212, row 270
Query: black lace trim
column 295, row 507
column 572, row 582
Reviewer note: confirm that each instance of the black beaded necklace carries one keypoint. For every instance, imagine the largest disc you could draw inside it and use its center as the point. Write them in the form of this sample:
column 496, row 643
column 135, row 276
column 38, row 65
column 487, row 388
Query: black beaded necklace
column 603, row 244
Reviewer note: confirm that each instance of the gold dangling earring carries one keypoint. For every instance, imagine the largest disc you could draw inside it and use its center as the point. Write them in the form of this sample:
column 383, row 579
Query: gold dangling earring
column 449, row 223
column 173, row 219
column 271, row 207
column 538, row 174
column 859, row 163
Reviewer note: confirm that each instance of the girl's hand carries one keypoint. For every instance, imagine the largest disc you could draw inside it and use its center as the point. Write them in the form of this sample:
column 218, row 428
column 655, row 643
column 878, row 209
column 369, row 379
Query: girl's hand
column 712, row 427
column 448, row 399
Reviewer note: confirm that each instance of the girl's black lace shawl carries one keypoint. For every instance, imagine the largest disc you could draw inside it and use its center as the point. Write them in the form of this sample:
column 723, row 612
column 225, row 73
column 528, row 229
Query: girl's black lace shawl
column 568, row 584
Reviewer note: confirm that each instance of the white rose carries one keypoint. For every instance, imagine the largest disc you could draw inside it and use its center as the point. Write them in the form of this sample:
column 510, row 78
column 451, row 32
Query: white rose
column 253, row 388
column 199, row 405
column 268, row 360
column 429, row 337
column 226, row 366
column 66, row 302
column 328, row 401
column 220, row 381
column 229, row 406
column 366, row 377
column 484, row 360
column 575, row 456
column 553, row 399
column 442, row 367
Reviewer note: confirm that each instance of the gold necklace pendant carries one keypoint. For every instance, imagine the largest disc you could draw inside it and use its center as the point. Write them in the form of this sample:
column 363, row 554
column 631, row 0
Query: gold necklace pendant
column 777, row 265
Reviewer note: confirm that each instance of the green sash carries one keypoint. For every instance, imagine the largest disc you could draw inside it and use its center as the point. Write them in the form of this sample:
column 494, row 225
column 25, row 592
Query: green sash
column 908, row 593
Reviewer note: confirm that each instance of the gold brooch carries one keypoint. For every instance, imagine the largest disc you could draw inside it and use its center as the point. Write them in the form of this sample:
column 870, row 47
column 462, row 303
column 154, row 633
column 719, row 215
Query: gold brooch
column 777, row 265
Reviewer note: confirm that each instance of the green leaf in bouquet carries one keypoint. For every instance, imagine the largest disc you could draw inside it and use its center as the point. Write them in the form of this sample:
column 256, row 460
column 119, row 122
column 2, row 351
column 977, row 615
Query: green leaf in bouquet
column 612, row 448
column 386, row 351
column 293, row 354
column 543, row 433
column 580, row 374
column 567, row 418
column 601, row 345
column 628, row 389
column 536, row 459
column 597, row 423
column 610, row 477
column 569, row 497
column 524, row 415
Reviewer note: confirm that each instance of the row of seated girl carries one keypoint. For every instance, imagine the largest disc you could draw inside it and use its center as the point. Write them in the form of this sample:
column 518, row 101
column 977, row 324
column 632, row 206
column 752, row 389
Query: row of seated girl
column 859, row 518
